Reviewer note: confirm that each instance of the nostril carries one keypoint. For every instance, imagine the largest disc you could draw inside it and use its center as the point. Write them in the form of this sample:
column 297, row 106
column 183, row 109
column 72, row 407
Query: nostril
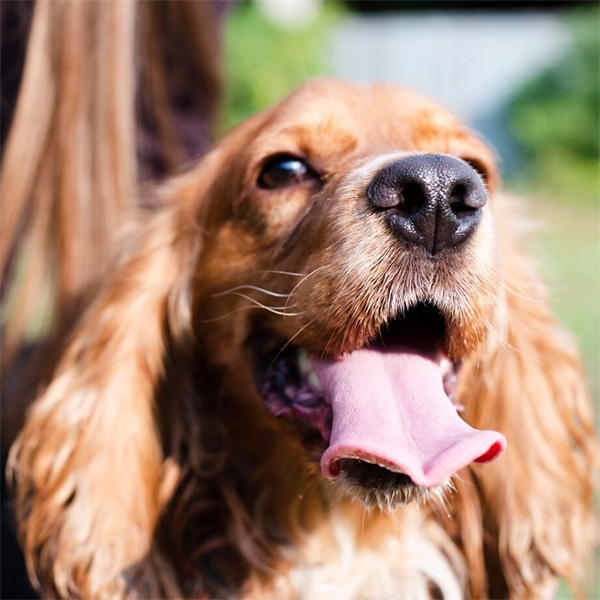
column 406, row 197
column 412, row 198
column 458, row 201
column 464, row 200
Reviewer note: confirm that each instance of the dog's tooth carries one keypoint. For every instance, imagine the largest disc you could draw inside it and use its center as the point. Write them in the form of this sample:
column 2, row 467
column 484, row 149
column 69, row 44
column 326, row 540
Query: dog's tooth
column 313, row 380
column 304, row 362
column 307, row 370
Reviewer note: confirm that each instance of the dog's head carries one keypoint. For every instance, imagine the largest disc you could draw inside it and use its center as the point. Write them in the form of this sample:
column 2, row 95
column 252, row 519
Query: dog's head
column 349, row 266
column 324, row 291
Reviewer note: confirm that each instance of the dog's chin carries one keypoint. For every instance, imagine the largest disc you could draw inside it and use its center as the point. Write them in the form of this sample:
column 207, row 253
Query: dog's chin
column 292, row 392
column 379, row 488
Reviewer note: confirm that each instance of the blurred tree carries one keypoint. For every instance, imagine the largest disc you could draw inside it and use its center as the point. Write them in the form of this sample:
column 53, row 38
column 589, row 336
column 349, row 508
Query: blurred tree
column 265, row 61
column 556, row 116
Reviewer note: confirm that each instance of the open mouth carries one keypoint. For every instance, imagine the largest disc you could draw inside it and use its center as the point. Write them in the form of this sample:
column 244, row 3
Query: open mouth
column 386, row 412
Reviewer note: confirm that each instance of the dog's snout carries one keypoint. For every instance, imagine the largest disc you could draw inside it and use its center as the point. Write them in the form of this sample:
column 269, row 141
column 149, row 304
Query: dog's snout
column 433, row 201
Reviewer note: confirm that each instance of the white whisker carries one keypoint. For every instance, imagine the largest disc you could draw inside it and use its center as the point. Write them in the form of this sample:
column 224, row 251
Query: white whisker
column 305, row 278
column 250, row 287
column 462, row 479
column 251, row 307
column 282, row 273
column 278, row 310
column 288, row 343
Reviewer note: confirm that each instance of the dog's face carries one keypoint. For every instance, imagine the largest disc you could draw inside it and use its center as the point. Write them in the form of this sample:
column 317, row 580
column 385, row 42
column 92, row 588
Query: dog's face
column 354, row 219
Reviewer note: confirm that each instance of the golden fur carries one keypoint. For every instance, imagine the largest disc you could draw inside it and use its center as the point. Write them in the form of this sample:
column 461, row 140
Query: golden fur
column 148, row 462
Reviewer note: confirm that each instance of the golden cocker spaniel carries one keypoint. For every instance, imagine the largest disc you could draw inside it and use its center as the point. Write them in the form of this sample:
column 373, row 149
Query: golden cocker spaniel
column 285, row 384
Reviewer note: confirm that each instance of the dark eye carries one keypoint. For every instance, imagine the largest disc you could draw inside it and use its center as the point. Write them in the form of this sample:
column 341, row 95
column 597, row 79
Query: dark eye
column 284, row 171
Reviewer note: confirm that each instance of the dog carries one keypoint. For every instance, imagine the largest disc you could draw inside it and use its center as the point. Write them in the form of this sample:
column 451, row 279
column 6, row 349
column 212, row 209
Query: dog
column 288, row 381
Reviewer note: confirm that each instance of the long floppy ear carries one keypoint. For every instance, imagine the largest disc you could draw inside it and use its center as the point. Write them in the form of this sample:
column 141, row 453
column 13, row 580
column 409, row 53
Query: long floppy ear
column 88, row 465
column 528, row 384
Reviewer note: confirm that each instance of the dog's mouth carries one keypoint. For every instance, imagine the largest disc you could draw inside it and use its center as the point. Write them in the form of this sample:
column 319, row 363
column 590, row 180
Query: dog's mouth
column 386, row 412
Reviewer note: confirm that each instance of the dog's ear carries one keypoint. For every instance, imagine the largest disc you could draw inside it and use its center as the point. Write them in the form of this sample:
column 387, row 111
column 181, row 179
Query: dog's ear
column 89, row 468
column 88, row 465
column 528, row 383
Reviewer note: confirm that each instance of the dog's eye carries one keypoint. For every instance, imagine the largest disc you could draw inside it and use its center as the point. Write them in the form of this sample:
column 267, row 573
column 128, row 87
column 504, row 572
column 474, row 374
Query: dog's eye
column 284, row 171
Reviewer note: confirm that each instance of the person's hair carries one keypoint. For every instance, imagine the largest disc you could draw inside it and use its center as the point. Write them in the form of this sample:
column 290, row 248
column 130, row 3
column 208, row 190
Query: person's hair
column 104, row 91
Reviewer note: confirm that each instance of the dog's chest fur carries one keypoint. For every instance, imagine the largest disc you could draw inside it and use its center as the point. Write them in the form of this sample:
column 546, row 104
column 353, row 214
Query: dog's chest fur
column 412, row 560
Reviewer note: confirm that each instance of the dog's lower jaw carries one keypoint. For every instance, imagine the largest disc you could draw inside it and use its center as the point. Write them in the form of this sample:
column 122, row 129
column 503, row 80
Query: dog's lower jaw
column 378, row 488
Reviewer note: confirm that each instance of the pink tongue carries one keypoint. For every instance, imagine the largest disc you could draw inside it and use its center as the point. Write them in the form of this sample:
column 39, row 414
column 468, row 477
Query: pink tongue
column 390, row 408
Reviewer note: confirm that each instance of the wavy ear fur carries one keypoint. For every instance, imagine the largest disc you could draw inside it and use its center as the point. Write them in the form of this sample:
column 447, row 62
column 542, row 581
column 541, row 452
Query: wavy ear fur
column 88, row 464
column 528, row 383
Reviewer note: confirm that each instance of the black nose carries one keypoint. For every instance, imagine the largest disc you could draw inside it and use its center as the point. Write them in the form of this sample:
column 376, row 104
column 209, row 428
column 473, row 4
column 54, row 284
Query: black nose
column 433, row 201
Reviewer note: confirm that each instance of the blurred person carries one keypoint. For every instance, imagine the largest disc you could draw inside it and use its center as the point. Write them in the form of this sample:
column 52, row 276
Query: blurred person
column 97, row 98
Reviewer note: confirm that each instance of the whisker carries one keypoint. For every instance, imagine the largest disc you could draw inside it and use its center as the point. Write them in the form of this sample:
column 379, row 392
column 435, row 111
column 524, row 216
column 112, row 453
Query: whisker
column 517, row 292
column 250, row 287
column 306, row 277
column 279, row 310
column 434, row 505
column 462, row 480
column 336, row 500
column 247, row 307
column 441, row 496
column 266, row 272
column 287, row 344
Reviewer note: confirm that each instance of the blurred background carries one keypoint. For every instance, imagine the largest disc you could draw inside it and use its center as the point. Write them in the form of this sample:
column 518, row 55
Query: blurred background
column 523, row 74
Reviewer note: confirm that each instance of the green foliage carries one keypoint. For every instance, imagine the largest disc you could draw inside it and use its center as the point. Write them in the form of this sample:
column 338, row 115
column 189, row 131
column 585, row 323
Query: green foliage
column 265, row 62
column 556, row 116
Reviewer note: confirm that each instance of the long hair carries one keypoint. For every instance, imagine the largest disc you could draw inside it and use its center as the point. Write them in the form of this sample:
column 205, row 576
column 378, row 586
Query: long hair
column 104, row 91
